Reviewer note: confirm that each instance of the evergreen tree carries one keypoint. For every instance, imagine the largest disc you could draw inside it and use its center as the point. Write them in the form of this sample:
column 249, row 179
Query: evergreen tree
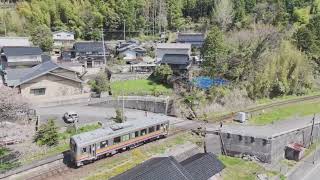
column 41, row 36
column 47, row 134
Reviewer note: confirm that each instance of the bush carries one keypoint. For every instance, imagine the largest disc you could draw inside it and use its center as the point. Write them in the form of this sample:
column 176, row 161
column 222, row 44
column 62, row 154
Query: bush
column 47, row 134
column 120, row 118
column 162, row 73
column 100, row 83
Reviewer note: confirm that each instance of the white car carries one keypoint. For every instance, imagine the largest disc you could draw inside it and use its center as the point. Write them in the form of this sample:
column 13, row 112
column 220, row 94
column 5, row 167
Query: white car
column 71, row 117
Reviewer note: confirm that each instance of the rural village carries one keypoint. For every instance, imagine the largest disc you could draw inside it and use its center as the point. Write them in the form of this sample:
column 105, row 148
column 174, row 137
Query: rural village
column 160, row 89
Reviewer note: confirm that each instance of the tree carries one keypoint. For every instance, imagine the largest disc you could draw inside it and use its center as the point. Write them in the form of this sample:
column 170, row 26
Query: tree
column 41, row 36
column 223, row 13
column 47, row 134
column 100, row 83
column 162, row 73
column 214, row 52
column 11, row 104
column 120, row 118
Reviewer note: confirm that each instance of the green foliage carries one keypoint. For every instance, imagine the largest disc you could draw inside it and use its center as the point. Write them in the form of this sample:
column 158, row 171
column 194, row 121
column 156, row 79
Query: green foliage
column 100, row 83
column 41, row 36
column 162, row 73
column 47, row 134
column 214, row 52
column 120, row 118
column 301, row 15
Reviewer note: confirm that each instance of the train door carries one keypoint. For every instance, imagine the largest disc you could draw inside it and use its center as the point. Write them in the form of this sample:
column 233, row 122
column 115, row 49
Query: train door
column 92, row 150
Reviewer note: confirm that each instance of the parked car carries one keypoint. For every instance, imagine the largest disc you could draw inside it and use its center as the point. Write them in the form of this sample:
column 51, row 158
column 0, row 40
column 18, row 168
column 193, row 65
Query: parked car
column 71, row 117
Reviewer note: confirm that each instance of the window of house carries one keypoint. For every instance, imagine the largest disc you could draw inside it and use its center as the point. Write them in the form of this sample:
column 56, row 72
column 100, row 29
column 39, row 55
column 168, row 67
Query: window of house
column 136, row 134
column 59, row 35
column 97, row 63
column 143, row 132
column 151, row 129
column 116, row 140
column 38, row 92
column 103, row 144
column 158, row 127
column 125, row 137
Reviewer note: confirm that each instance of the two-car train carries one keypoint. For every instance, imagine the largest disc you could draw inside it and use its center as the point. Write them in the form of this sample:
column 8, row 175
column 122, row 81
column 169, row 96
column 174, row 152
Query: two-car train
column 89, row 146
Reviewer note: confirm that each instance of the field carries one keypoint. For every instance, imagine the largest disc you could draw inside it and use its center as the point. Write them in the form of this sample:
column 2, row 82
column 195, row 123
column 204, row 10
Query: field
column 239, row 169
column 139, row 87
column 285, row 112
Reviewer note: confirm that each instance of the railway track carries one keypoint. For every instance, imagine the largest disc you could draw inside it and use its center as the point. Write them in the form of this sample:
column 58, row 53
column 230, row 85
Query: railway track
column 62, row 168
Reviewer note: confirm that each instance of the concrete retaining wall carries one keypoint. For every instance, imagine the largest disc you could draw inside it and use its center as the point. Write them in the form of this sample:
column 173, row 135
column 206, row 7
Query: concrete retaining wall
column 269, row 149
column 129, row 76
column 152, row 104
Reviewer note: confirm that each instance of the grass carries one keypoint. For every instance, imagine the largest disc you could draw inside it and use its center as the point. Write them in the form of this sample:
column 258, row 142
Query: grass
column 285, row 112
column 61, row 147
column 121, row 163
column 139, row 87
column 240, row 169
column 4, row 166
column 283, row 98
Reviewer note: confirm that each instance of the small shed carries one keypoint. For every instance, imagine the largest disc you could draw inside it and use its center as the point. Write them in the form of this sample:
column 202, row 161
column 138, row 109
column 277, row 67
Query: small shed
column 294, row 151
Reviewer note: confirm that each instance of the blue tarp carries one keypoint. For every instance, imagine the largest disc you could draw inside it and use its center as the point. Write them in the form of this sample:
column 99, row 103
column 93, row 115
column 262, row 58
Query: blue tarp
column 205, row 82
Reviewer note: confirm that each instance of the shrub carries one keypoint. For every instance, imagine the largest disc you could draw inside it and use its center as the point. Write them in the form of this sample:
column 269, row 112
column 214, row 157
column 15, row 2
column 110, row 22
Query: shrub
column 47, row 134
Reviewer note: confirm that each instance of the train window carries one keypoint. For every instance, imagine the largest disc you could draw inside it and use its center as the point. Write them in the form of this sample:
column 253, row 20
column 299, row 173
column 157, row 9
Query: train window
column 116, row 140
column 151, row 129
column 136, row 134
column 125, row 137
column 132, row 136
column 84, row 150
column 158, row 128
column 143, row 132
column 103, row 144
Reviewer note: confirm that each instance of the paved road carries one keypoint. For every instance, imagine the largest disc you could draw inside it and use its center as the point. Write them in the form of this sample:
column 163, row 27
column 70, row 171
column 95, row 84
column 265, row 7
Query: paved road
column 313, row 172
column 90, row 114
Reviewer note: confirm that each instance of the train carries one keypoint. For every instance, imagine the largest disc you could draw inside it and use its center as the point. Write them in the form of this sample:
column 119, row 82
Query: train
column 106, row 141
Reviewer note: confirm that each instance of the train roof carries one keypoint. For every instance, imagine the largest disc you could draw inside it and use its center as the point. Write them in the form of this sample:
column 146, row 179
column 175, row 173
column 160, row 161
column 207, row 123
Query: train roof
column 113, row 131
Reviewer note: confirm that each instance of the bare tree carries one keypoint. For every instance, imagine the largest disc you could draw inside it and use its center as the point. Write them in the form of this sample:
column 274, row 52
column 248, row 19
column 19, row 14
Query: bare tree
column 12, row 105
column 223, row 13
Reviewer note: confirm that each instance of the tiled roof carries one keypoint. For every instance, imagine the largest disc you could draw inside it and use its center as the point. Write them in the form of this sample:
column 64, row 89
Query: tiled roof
column 198, row 167
column 95, row 46
column 21, row 51
column 178, row 59
column 202, row 166
column 173, row 46
column 16, row 77
column 163, row 168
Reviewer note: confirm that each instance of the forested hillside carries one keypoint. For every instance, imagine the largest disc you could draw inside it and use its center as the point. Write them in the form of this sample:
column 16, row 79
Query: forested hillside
column 268, row 47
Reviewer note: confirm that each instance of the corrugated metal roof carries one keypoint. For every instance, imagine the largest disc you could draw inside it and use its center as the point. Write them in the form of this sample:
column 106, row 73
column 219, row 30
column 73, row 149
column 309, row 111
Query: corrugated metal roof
column 14, row 41
column 190, row 37
column 95, row 46
column 173, row 46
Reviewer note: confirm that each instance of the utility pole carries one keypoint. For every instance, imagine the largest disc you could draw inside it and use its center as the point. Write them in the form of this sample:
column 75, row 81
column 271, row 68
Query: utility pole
column 124, row 30
column 311, row 135
column 104, row 48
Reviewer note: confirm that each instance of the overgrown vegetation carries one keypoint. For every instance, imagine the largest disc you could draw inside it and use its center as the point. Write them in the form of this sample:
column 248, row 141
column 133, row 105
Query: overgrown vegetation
column 120, row 118
column 162, row 73
column 47, row 134
column 282, row 113
column 8, row 159
column 239, row 169
column 139, row 87
column 100, row 83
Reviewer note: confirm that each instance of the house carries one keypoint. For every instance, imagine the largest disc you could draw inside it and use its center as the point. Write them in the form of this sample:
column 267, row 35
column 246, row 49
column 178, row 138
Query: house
column 177, row 55
column 131, row 51
column 195, row 39
column 203, row 166
column 63, row 38
column 15, row 57
column 91, row 54
column 14, row 41
column 46, row 80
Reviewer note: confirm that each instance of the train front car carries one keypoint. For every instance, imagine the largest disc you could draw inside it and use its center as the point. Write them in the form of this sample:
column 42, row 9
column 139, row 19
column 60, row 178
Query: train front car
column 73, row 152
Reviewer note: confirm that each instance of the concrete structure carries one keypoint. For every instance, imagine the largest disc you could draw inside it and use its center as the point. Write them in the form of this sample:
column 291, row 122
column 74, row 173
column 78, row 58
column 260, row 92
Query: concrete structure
column 14, row 42
column 14, row 57
column 63, row 38
column 267, row 143
column 46, row 80
column 172, row 48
